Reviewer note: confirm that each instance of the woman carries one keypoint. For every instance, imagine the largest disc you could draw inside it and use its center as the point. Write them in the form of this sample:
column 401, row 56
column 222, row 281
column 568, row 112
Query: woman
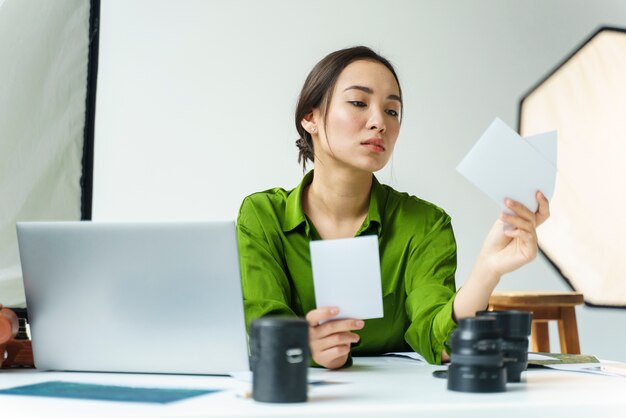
column 348, row 118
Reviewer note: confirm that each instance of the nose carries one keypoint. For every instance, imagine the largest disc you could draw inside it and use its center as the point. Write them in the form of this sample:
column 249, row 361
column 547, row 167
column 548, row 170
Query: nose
column 376, row 121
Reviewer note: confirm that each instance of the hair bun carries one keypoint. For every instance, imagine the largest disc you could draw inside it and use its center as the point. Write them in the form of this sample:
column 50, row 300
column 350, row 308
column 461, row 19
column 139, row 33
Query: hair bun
column 305, row 151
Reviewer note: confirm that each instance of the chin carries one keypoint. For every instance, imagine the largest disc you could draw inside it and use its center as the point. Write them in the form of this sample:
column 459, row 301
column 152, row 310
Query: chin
column 369, row 164
column 372, row 167
column 378, row 163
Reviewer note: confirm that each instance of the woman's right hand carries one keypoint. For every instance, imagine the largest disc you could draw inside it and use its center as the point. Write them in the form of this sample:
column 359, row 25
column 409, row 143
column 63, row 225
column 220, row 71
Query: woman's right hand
column 330, row 342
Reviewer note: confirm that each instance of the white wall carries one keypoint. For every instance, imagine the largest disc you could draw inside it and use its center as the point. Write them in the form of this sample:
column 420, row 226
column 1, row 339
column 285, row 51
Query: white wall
column 195, row 103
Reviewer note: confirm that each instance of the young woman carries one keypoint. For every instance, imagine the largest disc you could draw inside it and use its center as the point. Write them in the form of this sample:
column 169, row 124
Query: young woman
column 348, row 118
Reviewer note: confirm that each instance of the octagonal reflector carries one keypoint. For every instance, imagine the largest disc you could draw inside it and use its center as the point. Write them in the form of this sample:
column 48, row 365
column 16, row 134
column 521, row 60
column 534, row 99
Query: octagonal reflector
column 584, row 99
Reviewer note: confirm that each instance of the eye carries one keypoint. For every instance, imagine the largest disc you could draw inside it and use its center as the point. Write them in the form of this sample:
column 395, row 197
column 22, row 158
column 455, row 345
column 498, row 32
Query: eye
column 392, row 112
column 357, row 103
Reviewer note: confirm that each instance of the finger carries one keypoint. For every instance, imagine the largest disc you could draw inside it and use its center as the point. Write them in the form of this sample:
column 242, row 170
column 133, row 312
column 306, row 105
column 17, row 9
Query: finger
column 318, row 315
column 519, row 209
column 341, row 338
column 331, row 354
column 543, row 212
column 518, row 222
column 524, row 236
column 336, row 326
column 527, row 244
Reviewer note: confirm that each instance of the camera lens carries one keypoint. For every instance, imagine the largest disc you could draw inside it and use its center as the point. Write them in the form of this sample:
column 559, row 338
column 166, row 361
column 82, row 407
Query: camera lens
column 514, row 328
column 476, row 358
column 279, row 348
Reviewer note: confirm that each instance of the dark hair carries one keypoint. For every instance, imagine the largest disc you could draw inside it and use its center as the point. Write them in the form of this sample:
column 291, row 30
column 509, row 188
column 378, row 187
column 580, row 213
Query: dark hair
column 318, row 90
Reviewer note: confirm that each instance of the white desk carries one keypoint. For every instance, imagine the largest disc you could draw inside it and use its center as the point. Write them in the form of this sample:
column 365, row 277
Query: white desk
column 373, row 387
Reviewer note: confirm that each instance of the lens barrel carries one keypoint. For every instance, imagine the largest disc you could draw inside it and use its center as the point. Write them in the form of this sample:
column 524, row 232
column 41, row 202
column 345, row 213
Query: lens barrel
column 476, row 358
column 279, row 348
column 514, row 327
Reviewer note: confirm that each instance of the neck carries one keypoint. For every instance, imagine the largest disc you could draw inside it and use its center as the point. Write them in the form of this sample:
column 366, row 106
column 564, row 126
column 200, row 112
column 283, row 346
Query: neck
column 339, row 195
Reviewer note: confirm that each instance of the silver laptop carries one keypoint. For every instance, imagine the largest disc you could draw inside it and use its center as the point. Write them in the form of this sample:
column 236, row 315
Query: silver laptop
column 134, row 297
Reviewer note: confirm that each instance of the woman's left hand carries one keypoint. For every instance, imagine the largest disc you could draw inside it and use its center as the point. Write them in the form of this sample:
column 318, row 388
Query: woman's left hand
column 508, row 248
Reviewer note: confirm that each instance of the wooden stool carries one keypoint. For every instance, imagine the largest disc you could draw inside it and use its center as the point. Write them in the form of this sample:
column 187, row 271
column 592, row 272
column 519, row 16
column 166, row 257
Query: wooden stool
column 545, row 306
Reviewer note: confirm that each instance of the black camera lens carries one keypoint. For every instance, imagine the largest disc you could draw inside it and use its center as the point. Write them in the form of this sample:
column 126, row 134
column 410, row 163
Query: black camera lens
column 476, row 358
column 514, row 328
column 279, row 348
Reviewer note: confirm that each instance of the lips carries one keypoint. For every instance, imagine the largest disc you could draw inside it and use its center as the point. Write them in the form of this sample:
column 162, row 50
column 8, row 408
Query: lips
column 374, row 144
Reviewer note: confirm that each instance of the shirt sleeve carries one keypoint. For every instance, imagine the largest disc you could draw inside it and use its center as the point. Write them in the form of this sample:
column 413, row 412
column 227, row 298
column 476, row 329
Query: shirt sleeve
column 265, row 285
column 431, row 290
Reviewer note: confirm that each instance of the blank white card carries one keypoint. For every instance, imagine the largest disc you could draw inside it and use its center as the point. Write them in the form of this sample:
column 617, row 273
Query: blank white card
column 346, row 274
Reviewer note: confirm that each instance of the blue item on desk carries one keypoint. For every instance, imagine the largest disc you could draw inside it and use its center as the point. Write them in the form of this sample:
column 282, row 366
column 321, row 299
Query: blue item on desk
column 73, row 390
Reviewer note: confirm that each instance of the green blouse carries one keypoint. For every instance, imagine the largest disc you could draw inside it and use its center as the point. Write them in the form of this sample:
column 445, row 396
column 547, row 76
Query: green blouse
column 417, row 262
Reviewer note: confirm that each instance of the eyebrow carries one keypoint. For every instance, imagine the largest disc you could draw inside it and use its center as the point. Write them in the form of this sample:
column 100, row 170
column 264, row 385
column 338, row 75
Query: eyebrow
column 370, row 91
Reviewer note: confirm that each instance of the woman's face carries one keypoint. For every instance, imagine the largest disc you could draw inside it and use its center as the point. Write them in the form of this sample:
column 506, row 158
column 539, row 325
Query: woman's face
column 363, row 119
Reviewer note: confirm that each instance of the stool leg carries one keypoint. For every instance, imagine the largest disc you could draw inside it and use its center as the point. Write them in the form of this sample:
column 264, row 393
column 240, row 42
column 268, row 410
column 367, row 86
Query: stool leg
column 540, row 337
column 568, row 331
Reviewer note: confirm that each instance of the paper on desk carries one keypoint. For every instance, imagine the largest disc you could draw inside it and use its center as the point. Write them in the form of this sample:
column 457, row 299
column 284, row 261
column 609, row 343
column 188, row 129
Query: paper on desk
column 612, row 369
column 346, row 274
column 536, row 356
column 504, row 165
column 583, row 363
column 544, row 359
column 412, row 355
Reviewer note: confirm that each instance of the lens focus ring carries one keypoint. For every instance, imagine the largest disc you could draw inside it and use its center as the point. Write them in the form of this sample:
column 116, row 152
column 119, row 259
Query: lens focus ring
column 492, row 360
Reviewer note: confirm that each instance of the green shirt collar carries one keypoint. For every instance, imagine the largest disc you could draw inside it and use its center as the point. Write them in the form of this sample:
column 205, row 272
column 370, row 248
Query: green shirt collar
column 294, row 213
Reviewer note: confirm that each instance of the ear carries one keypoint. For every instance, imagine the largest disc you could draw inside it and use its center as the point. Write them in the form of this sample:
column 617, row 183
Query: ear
column 309, row 122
